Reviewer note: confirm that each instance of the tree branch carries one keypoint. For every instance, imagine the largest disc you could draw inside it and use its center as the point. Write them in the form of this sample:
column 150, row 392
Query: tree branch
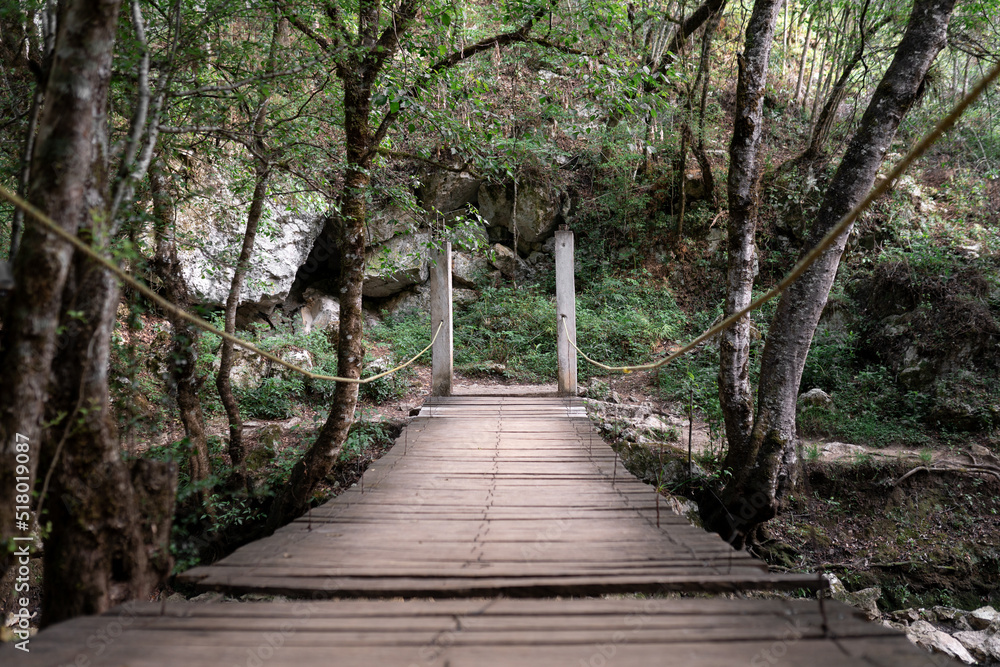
column 515, row 36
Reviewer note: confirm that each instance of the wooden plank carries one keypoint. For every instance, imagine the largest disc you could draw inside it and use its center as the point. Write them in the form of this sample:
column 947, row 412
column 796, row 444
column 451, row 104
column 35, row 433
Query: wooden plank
column 695, row 632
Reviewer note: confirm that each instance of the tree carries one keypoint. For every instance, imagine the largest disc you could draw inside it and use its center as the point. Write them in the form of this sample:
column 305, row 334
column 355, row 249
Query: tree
column 99, row 552
column 769, row 458
column 735, row 395
column 361, row 57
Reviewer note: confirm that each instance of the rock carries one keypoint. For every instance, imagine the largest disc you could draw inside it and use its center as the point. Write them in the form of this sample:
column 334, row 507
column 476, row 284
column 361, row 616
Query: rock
column 469, row 236
column 841, row 450
column 919, row 374
column 947, row 613
column 716, row 239
column 816, row 397
column 836, row 587
column 320, row 311
column 464, row 297
column 416, row 300
column 982, row 618
column 447, row 191
column 248, row 369
column 928, row 637
column 269, row 436
column 298, row 357
column 469, row 270
column 504, row 259
column 983, row 646
column 399, row 263
column 387, row 223
column 495, row 204
column 378, row 365
column 539, row 208
column 686, row 508
column 218, row 224
column 866, row 600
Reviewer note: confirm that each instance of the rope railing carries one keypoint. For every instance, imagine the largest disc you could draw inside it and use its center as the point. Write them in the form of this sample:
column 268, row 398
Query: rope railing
column 190, row 318
column 803, row 264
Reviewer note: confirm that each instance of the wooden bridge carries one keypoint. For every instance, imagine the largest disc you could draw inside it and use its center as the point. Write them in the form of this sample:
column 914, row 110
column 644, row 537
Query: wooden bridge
column 483, row 499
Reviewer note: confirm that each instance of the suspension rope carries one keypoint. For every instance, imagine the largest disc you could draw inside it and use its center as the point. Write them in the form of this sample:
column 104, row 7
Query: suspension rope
column 880, row 189
column 166, row 305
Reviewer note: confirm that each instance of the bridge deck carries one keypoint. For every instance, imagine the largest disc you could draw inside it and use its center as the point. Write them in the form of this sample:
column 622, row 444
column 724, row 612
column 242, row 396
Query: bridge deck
column 486, row 496
column 476, row 633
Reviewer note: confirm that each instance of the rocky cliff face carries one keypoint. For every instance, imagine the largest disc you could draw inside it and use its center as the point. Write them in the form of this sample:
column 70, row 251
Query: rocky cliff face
column 295, row 252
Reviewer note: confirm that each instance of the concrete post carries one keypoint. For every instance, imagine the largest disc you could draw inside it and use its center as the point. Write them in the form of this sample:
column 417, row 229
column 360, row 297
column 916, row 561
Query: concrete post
column 442, row 359
column 565, row 312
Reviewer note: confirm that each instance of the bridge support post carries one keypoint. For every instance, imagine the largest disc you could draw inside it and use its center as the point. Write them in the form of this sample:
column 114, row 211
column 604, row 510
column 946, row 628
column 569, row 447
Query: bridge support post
column 565, row 312
column 442, row 353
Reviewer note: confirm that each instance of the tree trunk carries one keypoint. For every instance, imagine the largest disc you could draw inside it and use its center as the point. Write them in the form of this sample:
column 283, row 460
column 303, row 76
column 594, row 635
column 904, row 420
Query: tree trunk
column 262, row 171
column 820, row 76
column 735, row 394
column 184, row 380
column 824, row 123
column 98, row 553
column 680, row 36
column 222, row 379
column 318, row 461
column 755, row 491
column 802, row 59
column 809, row 77
column 65, row 153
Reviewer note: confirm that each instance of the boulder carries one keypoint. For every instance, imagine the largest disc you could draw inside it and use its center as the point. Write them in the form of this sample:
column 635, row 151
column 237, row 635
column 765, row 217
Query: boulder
column 217, row 223
column 388, row 222
column 984, row 646
column 469, row 235
column 447, row 191
column 504, row 259
column 399, row 263
column 495, row 204
column 464, row 297
column 320, row 311
column 298, row 357
column 539, row 208
column 248, row 369
column 928, row 637
column 469, row 270
column 416, row 300
column 982, row 618
column 816, row 397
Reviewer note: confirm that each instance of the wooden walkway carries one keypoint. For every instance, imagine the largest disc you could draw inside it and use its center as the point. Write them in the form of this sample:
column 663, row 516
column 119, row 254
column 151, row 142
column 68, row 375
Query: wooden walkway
column 487, row 496
column 476, row 633
column 482, row 498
